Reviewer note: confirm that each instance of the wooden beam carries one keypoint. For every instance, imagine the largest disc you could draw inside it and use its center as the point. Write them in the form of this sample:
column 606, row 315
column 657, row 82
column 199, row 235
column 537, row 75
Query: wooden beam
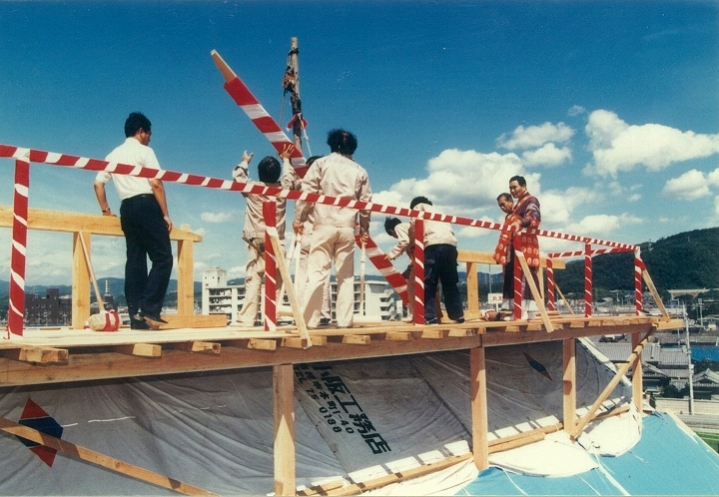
column 472, row 289
column 80, row 281
column 140, row 349
column 637, row 383
column 199, row 347
column 488, row 258
column 283, row 382
column 262, row 344
column 399, row 476
column 655, row 294
column 535, row 292
column 38, row 355
column 175, row 321
column 478, row 405
column 435, row 333
column 185, row 276
column 73, row 222
column 569, row 380
column 608, row 389
column 399, row 335
column 291, row 295
column 356, row 339
column 99, row 459
column 528, row 438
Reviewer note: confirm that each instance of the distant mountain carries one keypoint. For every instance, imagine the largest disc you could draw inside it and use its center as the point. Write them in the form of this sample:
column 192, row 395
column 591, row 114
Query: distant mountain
column 683, row 261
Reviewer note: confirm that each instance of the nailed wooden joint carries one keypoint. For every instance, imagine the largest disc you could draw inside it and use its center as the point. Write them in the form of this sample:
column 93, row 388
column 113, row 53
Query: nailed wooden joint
column 357, row 339
column 140, row 349
column 39, row 355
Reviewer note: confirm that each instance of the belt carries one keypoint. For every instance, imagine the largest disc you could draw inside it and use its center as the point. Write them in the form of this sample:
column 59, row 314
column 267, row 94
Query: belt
column 142, row 196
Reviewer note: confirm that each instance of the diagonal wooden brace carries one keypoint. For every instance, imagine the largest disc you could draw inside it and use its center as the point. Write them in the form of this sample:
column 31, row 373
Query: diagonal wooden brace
column 535, row 292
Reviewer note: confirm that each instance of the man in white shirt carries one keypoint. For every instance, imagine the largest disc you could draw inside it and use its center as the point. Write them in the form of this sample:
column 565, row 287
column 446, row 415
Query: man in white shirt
column 145, row 221
column 440, row 264
column 336, row 175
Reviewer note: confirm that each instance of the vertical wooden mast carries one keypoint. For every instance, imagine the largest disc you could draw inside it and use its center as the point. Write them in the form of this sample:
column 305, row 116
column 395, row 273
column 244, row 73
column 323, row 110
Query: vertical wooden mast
column 291, row 85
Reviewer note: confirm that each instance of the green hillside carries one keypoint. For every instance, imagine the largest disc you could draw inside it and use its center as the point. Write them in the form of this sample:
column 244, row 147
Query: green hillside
column 683, row 261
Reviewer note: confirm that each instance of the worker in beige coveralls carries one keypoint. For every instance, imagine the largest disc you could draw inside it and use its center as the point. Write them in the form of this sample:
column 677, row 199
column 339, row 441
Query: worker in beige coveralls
column 333, row 241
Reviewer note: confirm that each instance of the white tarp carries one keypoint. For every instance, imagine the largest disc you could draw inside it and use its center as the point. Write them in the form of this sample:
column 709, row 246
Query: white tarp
column 354, row 420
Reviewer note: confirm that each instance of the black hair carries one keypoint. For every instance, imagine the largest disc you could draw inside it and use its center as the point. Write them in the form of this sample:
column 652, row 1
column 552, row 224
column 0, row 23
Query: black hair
column 341, row 141
column 269, row 170
column 505, row 196
column 312, row 159
column 390, row 223
column 519, row 179
column 135, row 122
column 419, row 200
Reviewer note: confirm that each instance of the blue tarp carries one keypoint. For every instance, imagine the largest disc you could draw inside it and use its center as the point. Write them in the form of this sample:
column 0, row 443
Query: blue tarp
column 666, row 461
column 701, row 353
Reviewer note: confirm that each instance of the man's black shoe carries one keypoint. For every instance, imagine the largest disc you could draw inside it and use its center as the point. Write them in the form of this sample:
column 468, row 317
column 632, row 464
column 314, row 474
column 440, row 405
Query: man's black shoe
column 154, row 322
column 138, row 325
column 432, row 321
column 459, row 320
column 324, row 321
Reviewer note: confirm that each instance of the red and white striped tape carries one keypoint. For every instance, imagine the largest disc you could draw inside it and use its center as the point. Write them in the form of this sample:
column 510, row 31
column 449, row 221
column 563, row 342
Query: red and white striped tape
column 76, row 162
column 578, row 253
column 385, row 267
column 639, row 268
column 18, row 258
column 269, row 213
column 588, row 280
column 551, row 299
column 418, row 264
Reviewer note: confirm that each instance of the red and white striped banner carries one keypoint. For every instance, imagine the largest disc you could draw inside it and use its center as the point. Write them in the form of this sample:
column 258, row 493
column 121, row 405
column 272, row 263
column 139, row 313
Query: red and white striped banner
column 579, row 253
column 18, row 258
column 269, row 213
column 385, row 267
column 588, row 280
column 551, row 299
column 418, row 282
column 639, row 268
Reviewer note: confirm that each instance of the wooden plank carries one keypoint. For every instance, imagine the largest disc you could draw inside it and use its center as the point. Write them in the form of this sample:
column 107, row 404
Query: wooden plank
column 356, row 339
column 80, row 282
column 478, row 406
column 283, row 387
column 535, row 292
column 199, row 347
column 569, row 381
column 531, row 437
column 462, row 332
column 291, row 295
column 488, row 258
column 262, row 344
column 99, row 459
column 140, row 349
column 655, row 294
column 399, row 335
column 435, row 333
column 185, row 277
column 472, row 289
column 73, row 222
column 406, row 474
column 621, row 371
column 637, row 383
column 38, row 355
column 176, row 321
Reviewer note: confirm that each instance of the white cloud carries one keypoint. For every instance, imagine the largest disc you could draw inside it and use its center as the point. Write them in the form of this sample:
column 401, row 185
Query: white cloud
column 548, row 155
column 461, row 182
column 603, row 224
column 557, row 206
column 576, row 110
column 716, row 206
column 535, row 136
column 689, row 186
column 620, row 147
column 216, row 217
column 713, row 177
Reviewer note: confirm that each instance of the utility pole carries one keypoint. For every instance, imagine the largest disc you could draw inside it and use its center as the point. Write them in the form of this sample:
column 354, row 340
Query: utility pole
column 691, row 366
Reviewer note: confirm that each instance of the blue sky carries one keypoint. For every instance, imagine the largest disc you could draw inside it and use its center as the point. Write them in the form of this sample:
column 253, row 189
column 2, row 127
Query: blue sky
column 609, row 109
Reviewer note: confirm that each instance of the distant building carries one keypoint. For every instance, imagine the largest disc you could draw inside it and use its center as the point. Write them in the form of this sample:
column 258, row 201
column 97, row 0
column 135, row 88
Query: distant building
column 50, row 310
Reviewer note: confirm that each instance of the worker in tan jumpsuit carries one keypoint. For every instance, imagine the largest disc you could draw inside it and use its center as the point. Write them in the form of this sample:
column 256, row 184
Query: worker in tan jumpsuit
column 333, row 241
column 253, row 233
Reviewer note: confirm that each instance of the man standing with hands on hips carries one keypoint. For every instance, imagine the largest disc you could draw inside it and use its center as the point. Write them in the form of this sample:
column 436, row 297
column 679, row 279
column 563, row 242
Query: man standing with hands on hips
column 145, row 221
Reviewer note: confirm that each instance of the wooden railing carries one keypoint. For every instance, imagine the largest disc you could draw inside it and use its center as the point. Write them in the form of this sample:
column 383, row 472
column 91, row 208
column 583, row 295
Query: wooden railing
column 85, row 225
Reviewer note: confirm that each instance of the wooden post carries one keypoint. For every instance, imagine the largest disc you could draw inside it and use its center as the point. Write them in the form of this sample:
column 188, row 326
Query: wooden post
column 185, row 276
column 80, row 281
column 478, row 399
column 284, row 448
column 637, row 383
column 472, row 290
column 569, row 380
